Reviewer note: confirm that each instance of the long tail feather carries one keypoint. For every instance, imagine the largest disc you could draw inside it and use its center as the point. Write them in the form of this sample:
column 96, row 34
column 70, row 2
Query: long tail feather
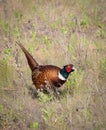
column 31, row 61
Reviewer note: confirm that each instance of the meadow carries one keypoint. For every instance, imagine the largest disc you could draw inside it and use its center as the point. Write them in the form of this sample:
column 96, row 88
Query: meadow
column 58, row 33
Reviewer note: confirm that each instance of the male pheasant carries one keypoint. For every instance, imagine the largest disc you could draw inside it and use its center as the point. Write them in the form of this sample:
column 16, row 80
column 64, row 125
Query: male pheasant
column 46, row 77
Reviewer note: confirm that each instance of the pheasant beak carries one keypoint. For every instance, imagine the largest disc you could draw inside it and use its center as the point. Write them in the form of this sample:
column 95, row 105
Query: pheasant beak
column 73, row 68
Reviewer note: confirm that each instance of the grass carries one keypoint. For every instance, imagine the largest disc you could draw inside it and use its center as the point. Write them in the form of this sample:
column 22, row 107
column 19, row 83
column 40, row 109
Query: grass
column 58, row 33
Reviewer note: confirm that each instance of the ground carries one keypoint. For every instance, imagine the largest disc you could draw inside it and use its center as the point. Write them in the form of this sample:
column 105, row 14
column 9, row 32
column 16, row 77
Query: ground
column 58, row 33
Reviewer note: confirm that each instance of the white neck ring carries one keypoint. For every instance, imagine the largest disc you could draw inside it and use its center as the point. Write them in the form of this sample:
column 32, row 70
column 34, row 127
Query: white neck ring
column 61, row 76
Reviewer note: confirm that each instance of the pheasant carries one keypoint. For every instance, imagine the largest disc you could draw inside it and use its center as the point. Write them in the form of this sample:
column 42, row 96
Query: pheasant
column 46, row 77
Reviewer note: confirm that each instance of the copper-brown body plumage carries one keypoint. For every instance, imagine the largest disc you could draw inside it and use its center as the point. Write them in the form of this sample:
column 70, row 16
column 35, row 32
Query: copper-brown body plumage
column 46, row 76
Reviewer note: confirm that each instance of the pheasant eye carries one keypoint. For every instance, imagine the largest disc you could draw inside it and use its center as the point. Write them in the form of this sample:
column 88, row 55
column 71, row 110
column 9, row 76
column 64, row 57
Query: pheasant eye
column 68, row 69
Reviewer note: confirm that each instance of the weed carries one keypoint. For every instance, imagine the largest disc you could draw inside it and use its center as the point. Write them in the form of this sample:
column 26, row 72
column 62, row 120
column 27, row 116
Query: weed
column 18, row 15
column 83, row 23
column 73, row 83
column 102, row 67
column 72, row 20
column 44, row 97
column 64, row 30
column 6, row 73
column 100, row 25
column 16, row 32
column 46, row 40
column 33, row 36
column 5, row 26
column 87, row 114
column 100, row 32
column 99, row 47
column 34, row 125
column 7, row 116
column 46, row 115
column 54, row 25
column 7, row 51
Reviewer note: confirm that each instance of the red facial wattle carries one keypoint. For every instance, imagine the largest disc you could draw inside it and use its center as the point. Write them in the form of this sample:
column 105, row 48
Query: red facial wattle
column 68, row 69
